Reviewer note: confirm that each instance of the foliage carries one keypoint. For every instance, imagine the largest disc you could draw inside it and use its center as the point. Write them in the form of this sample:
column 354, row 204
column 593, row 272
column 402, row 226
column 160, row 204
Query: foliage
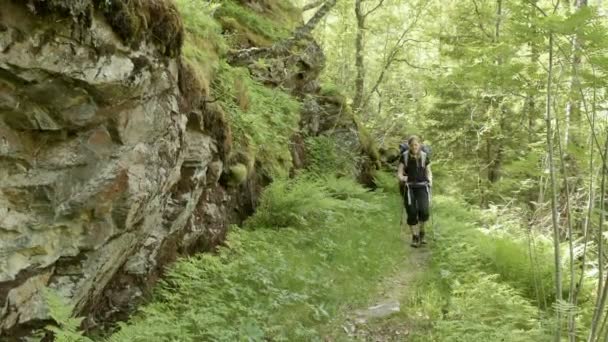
column 325, row 156
column 204, row 42
column 279, row 285
column 294, row 203
column 467, row 297
column 67, row 327
column 387, row 182
column 263, row 120
column 260, row 27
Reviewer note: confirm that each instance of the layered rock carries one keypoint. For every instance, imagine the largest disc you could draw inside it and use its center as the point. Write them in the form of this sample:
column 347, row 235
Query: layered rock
column 103, row 180
column 112, row 159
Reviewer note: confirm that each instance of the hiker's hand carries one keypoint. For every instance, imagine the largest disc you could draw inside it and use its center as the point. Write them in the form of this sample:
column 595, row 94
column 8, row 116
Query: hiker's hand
column 403, row 179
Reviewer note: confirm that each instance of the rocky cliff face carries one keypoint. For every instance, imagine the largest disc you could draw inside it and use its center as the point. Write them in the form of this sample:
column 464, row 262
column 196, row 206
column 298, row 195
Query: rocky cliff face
column 111, row 159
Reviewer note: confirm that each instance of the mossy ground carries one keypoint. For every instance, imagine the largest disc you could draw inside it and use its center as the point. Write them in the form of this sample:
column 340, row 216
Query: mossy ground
column 258, row 23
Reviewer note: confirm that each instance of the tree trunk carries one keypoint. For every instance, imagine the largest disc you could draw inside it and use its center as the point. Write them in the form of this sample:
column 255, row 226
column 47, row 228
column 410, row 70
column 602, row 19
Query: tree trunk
column 571, row 290
column 312, row 5
column 359, row 53
column 586, row 224
column 495, row 160
column 602, row 285
column 554, row 192
column 573, row 105
column 312, row 22
column 285, row 44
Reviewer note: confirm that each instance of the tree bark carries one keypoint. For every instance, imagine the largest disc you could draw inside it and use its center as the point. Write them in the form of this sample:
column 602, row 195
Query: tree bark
column 312, row 5
column 571, row 290
column 554, row 192
column 586, row 223
column 495, row 160
column 602, row 285
column 359, row 51
column 312, row 22
column 285, row 44
column 572, row 113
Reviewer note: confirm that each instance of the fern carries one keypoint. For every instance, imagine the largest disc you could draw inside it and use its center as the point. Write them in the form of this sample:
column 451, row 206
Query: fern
column 67, row 327
column 279, row 285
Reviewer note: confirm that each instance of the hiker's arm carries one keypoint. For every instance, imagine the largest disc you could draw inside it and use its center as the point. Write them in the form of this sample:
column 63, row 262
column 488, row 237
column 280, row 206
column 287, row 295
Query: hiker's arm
column 400, row 174
column 429, row 174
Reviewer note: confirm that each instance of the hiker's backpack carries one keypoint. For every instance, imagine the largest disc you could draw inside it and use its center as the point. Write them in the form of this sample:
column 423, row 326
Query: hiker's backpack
column 404, row 149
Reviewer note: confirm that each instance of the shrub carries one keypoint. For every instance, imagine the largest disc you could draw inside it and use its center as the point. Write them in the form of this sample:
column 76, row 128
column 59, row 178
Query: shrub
column 327, row 158
column 296, row 203
column 387, row 182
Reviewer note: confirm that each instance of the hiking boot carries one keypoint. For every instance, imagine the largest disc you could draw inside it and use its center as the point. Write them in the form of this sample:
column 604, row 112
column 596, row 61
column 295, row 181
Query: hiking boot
column 421, row 240
column 415, row 241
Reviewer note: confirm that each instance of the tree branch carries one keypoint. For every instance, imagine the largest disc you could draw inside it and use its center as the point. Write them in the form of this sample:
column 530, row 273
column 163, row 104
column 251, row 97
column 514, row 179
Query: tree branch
column 312, row 5
column 391, row 57
column 374, row 9
column 312, row 22
column 408, row 63
column 480, row 24
column 284, row 45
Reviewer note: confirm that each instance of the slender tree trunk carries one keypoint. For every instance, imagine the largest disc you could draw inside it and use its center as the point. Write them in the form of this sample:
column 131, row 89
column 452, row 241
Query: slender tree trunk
column 573, row 105
column 314, row 20
column 285, row 44
column 312, row 5
column 554, row 192
column 590, row 207
column 498, row 19
column 531, row 107
column 495, row 160
column 602, row 285
column 571, row 319
column 359, row 54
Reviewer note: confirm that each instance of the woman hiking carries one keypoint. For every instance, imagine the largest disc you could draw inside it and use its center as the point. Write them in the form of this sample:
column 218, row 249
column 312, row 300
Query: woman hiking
column 415, row 177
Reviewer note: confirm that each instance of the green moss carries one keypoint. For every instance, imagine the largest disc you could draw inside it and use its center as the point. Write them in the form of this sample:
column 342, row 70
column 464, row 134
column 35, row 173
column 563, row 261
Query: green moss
column 204, row 40
column 238, row 174
column 136, row 21
column 368, row 145
column 269, row 22
column 264, row 127
column 241, row 35
column 330, row 90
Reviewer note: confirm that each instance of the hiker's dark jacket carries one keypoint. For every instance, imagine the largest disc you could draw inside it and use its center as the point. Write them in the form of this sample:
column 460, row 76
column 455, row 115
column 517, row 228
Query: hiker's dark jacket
column 415, row 172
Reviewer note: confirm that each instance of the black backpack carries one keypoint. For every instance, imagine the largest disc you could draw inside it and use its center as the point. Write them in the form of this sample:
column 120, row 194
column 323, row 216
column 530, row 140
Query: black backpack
column 404, row 149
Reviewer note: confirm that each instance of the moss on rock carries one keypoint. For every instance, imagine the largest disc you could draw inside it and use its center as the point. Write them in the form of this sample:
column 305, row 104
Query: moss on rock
column 137, row 20
column 237, row 174
column 258, row 23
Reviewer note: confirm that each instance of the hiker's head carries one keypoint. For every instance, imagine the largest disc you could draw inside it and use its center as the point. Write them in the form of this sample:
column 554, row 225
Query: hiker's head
column 414, row 143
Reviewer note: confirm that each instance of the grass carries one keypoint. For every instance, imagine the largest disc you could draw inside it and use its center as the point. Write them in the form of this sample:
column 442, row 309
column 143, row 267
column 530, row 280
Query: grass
column 317, row 248
column 479, row 285
column 259, row 27
column 280, row 279
column 204, row 42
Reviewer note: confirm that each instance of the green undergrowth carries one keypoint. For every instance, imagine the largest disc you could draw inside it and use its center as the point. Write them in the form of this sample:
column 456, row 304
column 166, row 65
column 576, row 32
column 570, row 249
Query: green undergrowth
column 204, row 42
column 260, row 25
column 262, row 119
column 471, row 293
column 314, row 248
column 488, row 280
column 325, row 156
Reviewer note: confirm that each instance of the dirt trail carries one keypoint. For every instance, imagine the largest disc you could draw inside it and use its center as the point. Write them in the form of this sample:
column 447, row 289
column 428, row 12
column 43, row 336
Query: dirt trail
column 384, row 319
